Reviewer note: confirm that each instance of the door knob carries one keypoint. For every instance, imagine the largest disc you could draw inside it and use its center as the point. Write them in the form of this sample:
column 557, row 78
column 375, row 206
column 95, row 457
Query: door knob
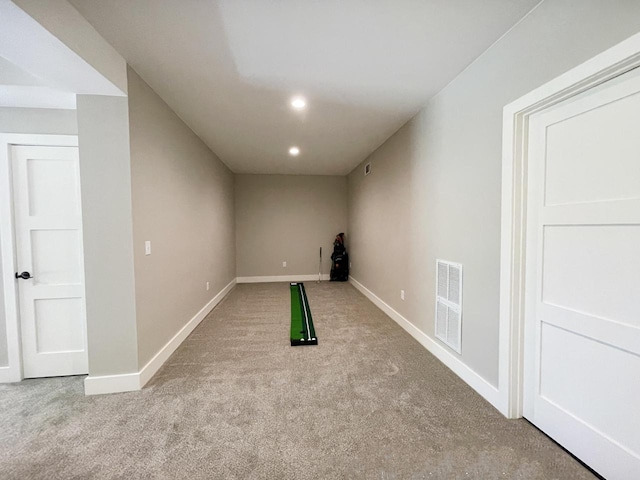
column 24, row 275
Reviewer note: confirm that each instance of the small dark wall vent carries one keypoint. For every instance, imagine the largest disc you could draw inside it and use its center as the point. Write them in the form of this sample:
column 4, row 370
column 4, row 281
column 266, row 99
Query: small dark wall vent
column 367, row 169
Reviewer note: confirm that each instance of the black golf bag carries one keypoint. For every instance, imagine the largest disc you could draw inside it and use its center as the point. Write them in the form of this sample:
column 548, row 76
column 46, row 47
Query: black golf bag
column 340, row 260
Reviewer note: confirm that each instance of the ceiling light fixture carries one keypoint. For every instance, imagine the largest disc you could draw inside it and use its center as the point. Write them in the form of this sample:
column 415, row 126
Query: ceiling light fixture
column 294, row 151
column 298, row 103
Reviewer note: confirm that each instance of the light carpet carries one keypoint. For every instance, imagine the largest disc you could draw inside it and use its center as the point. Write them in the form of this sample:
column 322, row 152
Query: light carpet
column 236, row 401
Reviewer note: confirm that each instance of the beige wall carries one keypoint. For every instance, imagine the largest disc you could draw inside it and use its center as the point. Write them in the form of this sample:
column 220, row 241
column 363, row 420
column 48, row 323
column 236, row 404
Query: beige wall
column 105, row 172
column 4, row 351
column 434, row 191
column 183, row 203
column 36, row 121
column 287, row 218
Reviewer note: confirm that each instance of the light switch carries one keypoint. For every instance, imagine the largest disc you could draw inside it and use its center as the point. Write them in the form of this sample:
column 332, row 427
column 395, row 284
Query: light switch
column 147, row 247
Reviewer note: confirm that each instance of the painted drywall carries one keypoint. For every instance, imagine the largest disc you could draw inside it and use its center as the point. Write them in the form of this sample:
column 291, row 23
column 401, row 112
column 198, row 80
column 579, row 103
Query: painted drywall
column 63, row 21
column 105, row 176
column 441, row 173
column 4, row 353
column 287, row 218
column 183, row 204
column 37, row 121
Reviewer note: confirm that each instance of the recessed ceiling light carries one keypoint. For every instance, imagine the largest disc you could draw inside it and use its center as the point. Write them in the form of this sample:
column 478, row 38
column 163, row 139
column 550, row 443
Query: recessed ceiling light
column 294, row 151
column 298, row 103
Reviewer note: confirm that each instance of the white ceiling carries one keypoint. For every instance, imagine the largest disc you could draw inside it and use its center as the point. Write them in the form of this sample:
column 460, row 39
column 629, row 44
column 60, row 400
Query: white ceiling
column 229, row 67
column 19, row 88
column 36, row 97
column 11, row 74
column 38, row 70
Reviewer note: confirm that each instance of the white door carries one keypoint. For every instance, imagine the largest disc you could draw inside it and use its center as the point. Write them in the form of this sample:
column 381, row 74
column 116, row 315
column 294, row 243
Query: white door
column 582, row 339
column 48, row 225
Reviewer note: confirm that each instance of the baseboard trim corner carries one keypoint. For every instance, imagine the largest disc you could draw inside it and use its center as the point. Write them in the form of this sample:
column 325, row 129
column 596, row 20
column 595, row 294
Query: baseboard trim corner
column 9, row 375
column 282, row 278
column 95, row 385
column 101, row 384
column 457, row 366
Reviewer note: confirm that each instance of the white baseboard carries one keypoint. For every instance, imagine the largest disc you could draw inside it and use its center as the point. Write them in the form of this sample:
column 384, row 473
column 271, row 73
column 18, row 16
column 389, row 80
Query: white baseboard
column 282, row 278
column 150, row 369
column 127, row 382
column 9, row 375
column 475, row 381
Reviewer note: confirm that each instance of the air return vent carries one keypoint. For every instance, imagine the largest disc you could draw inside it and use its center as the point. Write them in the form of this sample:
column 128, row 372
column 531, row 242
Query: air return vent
column 367, row 169
column 449, row 303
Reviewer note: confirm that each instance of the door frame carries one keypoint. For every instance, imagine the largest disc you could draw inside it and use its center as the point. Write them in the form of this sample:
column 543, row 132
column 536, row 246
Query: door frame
column 14, row 372
column 603, row 67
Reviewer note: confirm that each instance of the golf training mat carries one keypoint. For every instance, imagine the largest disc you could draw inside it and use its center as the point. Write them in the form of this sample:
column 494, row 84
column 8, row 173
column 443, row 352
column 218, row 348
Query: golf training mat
column 302, row 331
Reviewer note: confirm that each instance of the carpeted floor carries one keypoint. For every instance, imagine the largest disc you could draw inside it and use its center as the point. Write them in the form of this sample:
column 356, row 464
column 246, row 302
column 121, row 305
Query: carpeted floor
column 236, row 401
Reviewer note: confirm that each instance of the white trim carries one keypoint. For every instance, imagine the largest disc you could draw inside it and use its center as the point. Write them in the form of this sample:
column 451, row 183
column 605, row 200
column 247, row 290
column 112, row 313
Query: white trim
column 150, row 369
column 282, row 278
column 98, row 385
column 304, row 308
column 7, row 243
column 475, row 381
column 611, row 63
column 127, row 382
column 6, row 375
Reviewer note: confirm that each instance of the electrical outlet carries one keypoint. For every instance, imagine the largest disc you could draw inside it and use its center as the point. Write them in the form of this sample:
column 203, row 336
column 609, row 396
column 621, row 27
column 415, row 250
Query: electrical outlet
column 401, row 294
column 284, row 264
column 147, row 247
column 207, row 286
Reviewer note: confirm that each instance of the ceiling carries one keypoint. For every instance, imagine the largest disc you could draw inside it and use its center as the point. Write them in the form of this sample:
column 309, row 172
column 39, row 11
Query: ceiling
column 229, row 68
column 19, row 88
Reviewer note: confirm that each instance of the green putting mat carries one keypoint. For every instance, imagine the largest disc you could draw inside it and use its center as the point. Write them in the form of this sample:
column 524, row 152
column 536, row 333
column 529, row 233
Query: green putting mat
column 302, row 331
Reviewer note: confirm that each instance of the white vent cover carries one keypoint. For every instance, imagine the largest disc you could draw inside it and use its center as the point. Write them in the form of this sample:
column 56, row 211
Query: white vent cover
column 367, row 169
column 449, row 303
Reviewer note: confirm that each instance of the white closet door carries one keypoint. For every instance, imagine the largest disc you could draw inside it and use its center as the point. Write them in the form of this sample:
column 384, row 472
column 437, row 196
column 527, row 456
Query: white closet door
column 48, row 220
column 582, row 354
